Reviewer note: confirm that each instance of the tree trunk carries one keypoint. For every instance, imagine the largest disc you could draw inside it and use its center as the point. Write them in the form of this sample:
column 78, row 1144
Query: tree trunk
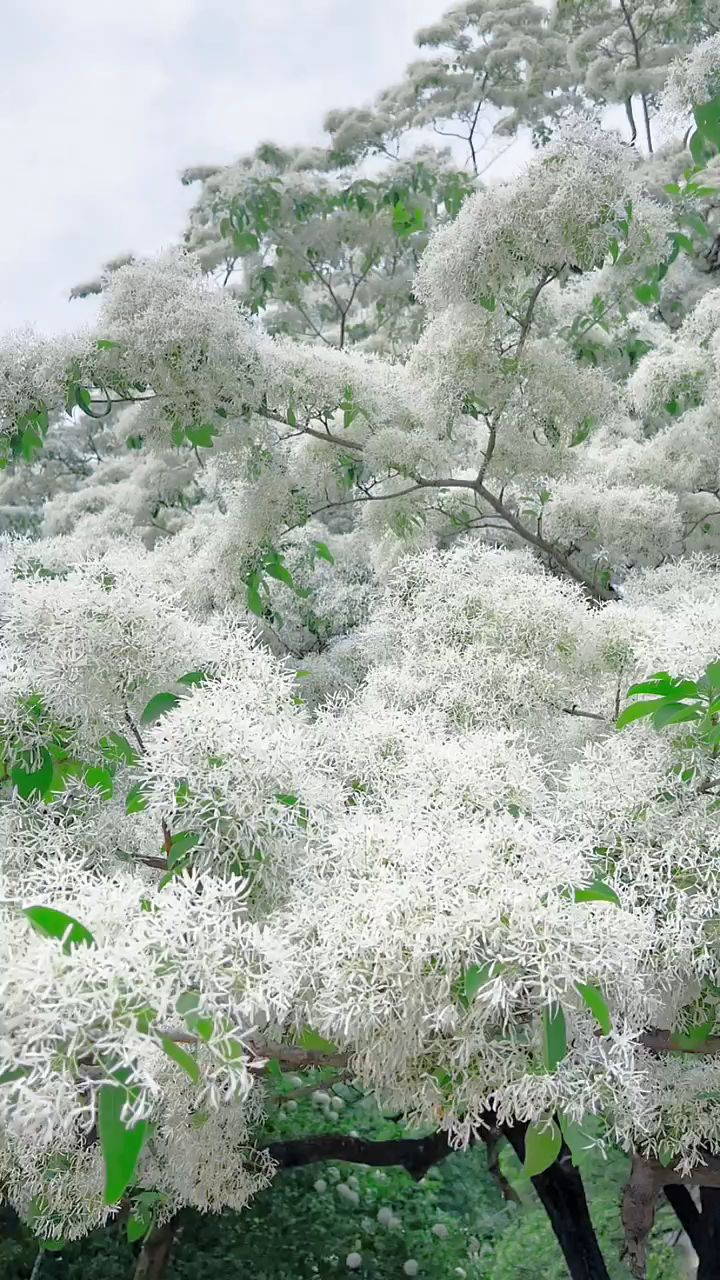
column 155, row 1253
column 709, row 1252
column 562, row 1194
column 687, row 1214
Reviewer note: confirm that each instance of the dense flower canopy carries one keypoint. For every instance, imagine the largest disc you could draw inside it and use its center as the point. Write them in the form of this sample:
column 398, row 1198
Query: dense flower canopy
column 311, row 674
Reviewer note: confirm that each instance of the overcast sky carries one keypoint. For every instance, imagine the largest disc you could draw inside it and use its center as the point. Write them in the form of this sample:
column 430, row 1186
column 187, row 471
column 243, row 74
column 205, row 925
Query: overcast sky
column 103, row 102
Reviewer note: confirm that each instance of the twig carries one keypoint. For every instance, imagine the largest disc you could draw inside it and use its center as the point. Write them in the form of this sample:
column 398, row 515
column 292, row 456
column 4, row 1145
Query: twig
column 587, row 715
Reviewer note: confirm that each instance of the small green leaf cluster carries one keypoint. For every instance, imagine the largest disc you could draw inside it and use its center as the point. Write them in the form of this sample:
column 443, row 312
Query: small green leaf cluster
column 669, row 700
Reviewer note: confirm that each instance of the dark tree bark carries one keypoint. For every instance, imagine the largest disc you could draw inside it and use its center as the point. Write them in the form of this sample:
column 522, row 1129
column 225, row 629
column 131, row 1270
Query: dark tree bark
column 647, row 1178
column 562, row 1194
column 155, row 1253
column 686, row 1213
column 709, row 1252
column 417, row 1155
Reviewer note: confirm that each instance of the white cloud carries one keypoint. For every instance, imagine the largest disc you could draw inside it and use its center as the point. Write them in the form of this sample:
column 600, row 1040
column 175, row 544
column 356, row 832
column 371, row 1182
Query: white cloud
column 102, row 103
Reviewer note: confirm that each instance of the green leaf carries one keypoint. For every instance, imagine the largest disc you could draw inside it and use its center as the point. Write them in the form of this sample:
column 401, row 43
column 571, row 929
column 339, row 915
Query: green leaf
column 646, row 293
column 596, row 892
column 120, row 1146
column 695, row 222
column 159, row 706
column 193, row 677
column 252, row 596
column 284, row 797
column 636, row 711
column 712, row 674
column 488, row 302
column 30, row 443
column 581, row 433
column 323, row 552
column 246, row 242
column 180, row 846
column 312, row 1041
column 674, row 713
column 136, row 799
column 542, row 1147
column 692, row 1040
column 203, row 436
column 475, row 977
column 117, row 749
column 182, row 1058
column 664, row 687
column 595, row 1002
column 275, row 567
column 100, row 779
column 187, row 1002
column 575, row 1137
column 554, row 1036
column 187, row 1005
column 707, row 119
column 139, row 1224
column 84, row 400
column 13, row 1074
column 30, row 782
column 56, row 924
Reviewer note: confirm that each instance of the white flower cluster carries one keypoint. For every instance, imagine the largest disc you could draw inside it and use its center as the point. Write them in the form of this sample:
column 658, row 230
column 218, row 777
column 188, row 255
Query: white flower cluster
column 430, row 835
column 33, row 375
column 175, row 333
column 84, row 1024
column 693, row 80
column 566, row 210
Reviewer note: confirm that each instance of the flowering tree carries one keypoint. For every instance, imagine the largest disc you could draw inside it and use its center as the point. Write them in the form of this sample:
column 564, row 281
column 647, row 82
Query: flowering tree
column 497, row 66
column 316, row 744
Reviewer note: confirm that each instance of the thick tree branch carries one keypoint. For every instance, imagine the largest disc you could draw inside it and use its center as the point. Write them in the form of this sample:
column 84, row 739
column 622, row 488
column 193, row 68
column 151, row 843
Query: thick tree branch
column 683, row 1205
column 647, row 1178
column 551, row 552
column 416, row 1155
column 155, row 1253
column 562, row 1194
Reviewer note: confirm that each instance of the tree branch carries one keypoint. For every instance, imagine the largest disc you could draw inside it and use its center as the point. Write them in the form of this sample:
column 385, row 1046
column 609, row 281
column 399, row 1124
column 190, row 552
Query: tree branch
column 683, row 1205
column 155, row 1253
column 586, row 715
column 666, row 1042
column 416, row 1155
column 548, row 549
column 562, row 1194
